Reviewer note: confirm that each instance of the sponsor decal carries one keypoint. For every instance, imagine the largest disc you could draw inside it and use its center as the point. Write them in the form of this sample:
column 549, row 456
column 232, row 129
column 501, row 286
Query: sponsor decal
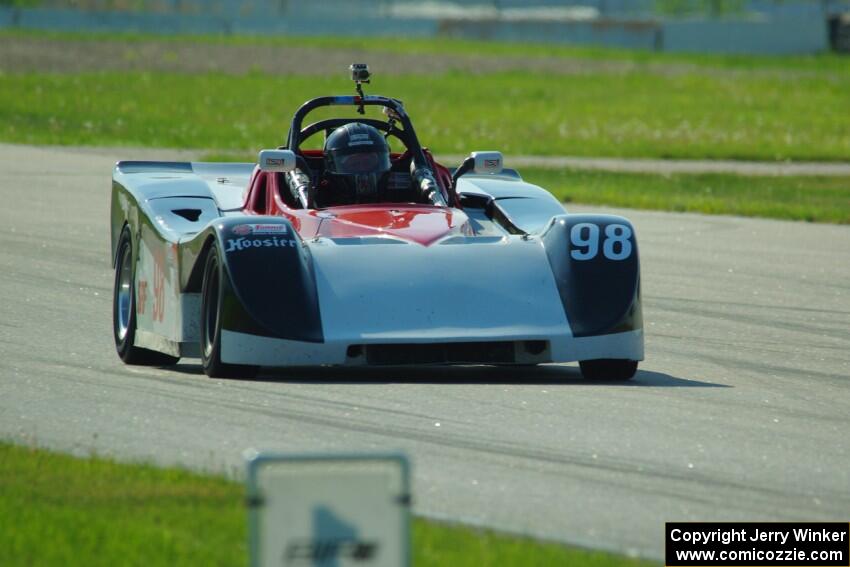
column 237, row 244
column 274, row 161
column 269, row 229
column 359, row 140
column 246, row 229
column 159, row 286
column 142, row 297
column 491, row 163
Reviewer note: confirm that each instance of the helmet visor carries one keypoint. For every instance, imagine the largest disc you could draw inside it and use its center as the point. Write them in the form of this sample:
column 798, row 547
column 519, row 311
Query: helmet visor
column 354, row 161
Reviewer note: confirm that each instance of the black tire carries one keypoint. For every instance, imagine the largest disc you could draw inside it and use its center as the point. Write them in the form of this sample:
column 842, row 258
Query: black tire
column 608, row 369
column 211, row 300
column 124, row 311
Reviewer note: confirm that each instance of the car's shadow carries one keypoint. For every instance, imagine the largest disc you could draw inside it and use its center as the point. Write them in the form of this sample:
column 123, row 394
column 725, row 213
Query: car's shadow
column 551, row 375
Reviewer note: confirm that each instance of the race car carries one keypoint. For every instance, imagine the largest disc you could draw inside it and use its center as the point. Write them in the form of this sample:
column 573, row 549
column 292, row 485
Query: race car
column 352, row 254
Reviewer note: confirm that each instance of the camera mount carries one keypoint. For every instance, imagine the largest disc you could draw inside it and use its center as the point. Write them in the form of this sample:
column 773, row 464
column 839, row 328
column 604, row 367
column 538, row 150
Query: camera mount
column 360, row 74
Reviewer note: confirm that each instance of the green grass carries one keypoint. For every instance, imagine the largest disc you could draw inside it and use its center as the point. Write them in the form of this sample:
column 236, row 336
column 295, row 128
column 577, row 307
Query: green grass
column 60, row 510
column 824, row 62
column 714, row 108
column 818, row 199
column 760, row 117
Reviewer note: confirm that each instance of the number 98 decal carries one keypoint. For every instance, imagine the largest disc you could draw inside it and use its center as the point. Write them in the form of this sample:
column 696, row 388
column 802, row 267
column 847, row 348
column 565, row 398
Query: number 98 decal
column 585, row 239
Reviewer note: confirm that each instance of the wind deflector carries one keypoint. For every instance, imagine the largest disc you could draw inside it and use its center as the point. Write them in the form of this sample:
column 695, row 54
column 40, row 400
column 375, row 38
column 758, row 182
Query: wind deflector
column 154, row 167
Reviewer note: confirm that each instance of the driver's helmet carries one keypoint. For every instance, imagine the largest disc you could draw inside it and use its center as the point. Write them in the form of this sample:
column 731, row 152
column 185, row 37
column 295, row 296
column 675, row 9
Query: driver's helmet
column 357, row 162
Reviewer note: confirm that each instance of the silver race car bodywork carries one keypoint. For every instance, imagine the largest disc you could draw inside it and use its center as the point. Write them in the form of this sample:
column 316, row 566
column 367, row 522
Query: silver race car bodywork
column 496, row 283
column 238, row 264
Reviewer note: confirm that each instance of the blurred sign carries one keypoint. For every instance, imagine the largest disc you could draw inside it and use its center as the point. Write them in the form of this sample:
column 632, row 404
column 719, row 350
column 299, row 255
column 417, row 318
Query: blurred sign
column 328, row 511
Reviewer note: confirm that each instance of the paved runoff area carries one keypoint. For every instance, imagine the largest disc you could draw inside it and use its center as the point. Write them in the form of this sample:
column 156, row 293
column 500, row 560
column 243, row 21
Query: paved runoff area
column 623, row 165
column 740, row 411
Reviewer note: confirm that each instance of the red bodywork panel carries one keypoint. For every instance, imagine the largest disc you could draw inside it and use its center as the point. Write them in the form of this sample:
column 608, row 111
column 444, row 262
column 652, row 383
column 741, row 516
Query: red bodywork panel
column 422, row 224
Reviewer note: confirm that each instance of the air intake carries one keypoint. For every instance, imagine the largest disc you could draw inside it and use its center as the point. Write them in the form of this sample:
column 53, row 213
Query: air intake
column 500, row 352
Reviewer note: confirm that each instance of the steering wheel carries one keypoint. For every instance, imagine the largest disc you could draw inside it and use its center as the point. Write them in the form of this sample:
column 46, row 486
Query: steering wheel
column 334, row 123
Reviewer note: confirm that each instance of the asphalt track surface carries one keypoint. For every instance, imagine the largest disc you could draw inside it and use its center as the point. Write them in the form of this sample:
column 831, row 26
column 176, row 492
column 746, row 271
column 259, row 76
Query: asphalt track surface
column 740, row 411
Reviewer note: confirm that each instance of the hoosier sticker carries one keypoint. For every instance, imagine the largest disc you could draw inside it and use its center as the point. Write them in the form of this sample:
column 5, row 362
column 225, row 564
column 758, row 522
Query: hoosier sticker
column 236, row 244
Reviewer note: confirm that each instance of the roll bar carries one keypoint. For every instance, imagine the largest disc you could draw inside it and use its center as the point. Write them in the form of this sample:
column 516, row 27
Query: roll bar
column 421, row 169
column 293, row 140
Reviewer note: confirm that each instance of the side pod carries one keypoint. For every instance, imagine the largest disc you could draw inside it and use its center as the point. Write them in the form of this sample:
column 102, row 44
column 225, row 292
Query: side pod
column 269, row 288
column 595, row 262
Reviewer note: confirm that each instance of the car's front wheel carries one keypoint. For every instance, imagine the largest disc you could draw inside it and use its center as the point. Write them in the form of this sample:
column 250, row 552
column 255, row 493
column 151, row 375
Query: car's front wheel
column 124, row 311
column 211, row 301
column 608, row 369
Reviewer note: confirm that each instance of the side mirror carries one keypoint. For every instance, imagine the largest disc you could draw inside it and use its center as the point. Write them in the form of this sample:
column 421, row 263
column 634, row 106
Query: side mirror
column 276, row 161
column 482, row 163
column 487, row 162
